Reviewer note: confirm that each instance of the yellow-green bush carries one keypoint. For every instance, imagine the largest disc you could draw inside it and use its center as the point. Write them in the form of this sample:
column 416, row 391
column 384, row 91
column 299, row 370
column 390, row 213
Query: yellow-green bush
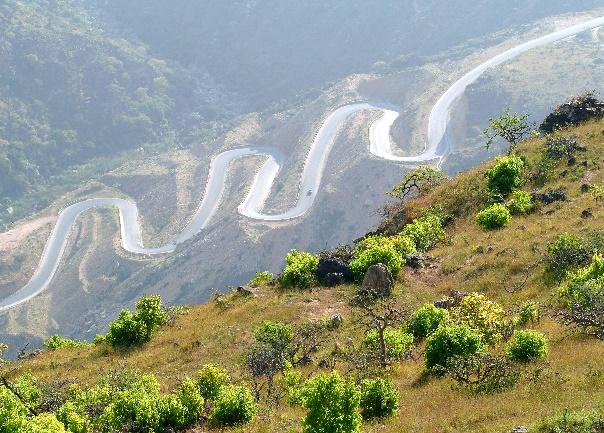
column 300, row 269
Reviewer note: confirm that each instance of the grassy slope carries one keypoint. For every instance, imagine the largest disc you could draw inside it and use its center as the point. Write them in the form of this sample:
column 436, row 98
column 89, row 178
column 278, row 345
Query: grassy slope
column 572, row 377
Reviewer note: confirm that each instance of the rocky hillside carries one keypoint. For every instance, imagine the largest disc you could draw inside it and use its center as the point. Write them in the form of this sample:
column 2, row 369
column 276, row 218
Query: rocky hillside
column 484, row 314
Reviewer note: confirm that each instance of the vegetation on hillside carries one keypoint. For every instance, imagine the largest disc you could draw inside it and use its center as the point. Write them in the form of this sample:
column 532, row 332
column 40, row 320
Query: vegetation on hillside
column 484, row 330
column 71, row 92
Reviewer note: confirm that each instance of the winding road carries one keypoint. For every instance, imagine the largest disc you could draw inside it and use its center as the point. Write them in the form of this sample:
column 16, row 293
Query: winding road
column 381, row 146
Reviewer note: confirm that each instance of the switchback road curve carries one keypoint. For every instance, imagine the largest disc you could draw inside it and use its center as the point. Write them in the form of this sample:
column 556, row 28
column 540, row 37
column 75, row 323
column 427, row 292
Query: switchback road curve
column 380, row 145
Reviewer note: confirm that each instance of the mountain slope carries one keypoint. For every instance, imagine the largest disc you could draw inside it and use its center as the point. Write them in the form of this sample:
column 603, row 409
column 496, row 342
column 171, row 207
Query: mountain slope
column 508, row 265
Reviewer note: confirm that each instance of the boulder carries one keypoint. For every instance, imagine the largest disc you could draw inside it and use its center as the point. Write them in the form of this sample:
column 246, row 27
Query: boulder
column 336, row 320
column 378, row 282
column 418, row 260
column 573, row 112
column 246, row 291
column 453, row 300
column 333, row 270
column 549, row 196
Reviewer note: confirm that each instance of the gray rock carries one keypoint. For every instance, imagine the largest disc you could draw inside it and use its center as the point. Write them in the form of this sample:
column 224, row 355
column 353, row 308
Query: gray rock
column 246, row 291
column 336, row 320
column 417, row 260
column 378, row 281
column 520, row 429
column 453, row 300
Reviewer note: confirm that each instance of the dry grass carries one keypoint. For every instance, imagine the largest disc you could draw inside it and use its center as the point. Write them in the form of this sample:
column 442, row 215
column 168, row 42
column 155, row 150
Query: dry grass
column 494, row 262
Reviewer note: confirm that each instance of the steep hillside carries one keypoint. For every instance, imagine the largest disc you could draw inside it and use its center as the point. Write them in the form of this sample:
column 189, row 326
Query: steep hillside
column 514, row 266
column 72, row 93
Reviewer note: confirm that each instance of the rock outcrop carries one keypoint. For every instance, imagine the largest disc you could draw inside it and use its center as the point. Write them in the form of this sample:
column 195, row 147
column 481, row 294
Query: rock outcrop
column 573, row 112
column 378, row 282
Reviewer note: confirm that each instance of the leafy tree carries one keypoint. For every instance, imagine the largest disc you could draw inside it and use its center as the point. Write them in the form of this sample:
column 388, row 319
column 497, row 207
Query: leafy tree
column 332, row 403
column 526, row 345
column 481, row 314
column 383, row 320
column 483, row 373
column 511, row 127
column 397, row 343
column 450, row 341
column 234, row 405
column 420, row 181
column 210, row 380
column 506, row 175
column 134, row 328
column 583, row 298
column 379, row 398
column 493, row 217
column 425, row 320
column 267, row 357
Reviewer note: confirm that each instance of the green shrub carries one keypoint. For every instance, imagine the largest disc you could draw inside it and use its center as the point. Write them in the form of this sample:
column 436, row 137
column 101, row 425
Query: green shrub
column 398, row 343
column 572, row 422
column 210, row 380
column 403, row 244
column 567, row 253
column 27, row 386
column 586, row 284
column 234, row 405
column 450, row 341
column 273, row 347
column 493, row 217
column 520, row 203
column 332, row 403
column 384, row 253
column 506, row 175
column 528, row 312
column 425, row 320
column 479, row 313
column 13, row 414
column 263, row 278
column 483, row 373
column 379, row 398
column 526, row 345
column 300, row 269
column 73, row 419
column 425, row 231
column 137, row 404
column 44, row 423
column 192, row 402
column 56, row 341
column 275, row 334
column 134, row 328
column 183, row 408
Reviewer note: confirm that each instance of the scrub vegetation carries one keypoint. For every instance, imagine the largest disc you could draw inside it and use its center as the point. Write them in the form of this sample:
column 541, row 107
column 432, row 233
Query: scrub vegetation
column 485, row 330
